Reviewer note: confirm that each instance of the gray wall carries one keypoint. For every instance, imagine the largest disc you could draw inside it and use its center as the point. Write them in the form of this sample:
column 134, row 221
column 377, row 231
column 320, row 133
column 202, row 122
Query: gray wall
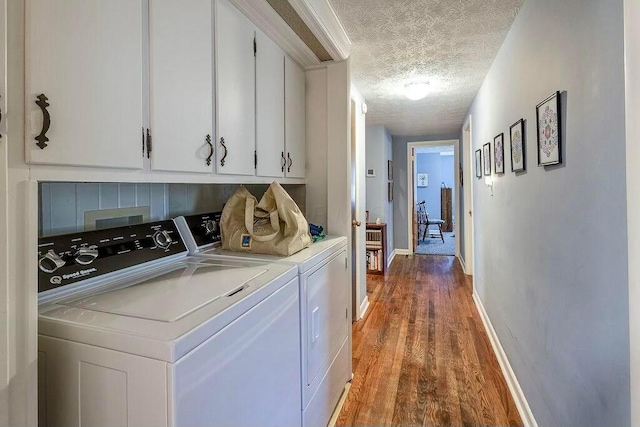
column 63, row 204
column 440, row 169
column 378, row 152
column 400, row 215
column 551, row 244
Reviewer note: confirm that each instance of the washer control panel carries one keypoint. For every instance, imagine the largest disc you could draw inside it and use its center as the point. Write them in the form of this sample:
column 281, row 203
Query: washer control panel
column 205, row 228
column 71, row 258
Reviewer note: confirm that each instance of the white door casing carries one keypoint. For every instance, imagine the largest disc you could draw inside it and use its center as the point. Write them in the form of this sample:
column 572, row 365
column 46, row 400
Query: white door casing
column 235, row 91
column 411, row 172
column 270, row 125
column 295, row 118
column 86, row 58
column 4, row 232
column 470, row 178
column 181, row 84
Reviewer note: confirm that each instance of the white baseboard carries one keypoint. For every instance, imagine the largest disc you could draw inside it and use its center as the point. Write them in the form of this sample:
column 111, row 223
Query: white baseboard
column 390, row 258
column 364, row 306
column 402, row 251
column 464, row 267
column 338, row 408
column 512, row 382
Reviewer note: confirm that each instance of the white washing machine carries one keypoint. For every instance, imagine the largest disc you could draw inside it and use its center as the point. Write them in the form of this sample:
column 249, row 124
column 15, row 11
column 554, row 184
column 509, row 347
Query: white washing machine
column 132, row 331
column 325, row 304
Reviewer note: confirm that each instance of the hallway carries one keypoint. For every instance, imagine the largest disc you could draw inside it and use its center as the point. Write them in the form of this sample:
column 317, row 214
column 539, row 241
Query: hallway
column 421, row 355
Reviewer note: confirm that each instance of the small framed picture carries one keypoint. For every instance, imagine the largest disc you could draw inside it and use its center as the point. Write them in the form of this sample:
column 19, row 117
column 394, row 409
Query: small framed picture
column 423, row 179
column 498, row 153
column 518, row 156
column 390, row 190
column 478, row 163
column 548, row 126
column 486, row 152
column 390, row 169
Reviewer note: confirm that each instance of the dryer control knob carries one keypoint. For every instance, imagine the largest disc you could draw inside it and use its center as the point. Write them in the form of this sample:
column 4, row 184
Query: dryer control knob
column 211, row 227
column 162, row 239
column 85, row 256
column 50, row 262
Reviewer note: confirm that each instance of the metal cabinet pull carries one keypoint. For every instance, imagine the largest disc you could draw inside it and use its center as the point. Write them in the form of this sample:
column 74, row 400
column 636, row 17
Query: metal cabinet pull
column 46, row 122
column 208, row 140
column 149, row 144
column 290, row 162
column 284, row 161
column 225, row 152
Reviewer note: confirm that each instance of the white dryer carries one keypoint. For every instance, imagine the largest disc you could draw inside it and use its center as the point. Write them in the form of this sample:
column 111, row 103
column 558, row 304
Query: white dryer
column 325, row 305
column 132, row 331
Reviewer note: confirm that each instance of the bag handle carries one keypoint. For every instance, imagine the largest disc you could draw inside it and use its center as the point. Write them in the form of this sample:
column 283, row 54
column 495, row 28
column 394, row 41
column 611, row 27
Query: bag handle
column 248, row 222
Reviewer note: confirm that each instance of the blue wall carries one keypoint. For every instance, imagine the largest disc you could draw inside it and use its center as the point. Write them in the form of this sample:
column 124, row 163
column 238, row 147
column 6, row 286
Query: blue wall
column 440, row 169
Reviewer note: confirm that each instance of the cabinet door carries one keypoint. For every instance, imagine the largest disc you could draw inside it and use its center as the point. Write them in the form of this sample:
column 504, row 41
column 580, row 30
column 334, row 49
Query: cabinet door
column 85, row 57
column 236, row 91
column 295, row 120
column 181, row 72
column 269, row 107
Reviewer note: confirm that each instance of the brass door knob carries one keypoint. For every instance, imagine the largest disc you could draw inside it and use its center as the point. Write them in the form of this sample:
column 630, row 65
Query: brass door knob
column 356, row 223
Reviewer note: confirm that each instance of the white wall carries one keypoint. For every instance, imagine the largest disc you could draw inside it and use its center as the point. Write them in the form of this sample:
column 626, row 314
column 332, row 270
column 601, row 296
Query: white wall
column 551, row 244
column 632, row 56
column 316, row 134
column 378, row 152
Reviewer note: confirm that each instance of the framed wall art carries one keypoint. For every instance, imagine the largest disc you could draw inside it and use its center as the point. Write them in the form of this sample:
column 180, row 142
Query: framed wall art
column 518, row 157
column 478, row 163
column 390, row 191
column 390, row 169
column 498, row 153
column 548, row 126
column 423, row 179
column 486, row 153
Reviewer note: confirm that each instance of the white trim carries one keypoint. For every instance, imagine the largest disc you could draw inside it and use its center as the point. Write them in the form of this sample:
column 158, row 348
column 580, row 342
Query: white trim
column 268, row 20
column 462, row 264
column 410, row 184
column 325, row 25
column 343, row 398
column 400, row 252
column 632, row 110
column 390, row 258
column 363, row 307
column 469, row 248
column 512, row 382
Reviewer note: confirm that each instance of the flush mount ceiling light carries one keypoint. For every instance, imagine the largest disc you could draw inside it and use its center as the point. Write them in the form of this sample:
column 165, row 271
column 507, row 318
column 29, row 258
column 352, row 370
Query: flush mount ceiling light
column 416, row 90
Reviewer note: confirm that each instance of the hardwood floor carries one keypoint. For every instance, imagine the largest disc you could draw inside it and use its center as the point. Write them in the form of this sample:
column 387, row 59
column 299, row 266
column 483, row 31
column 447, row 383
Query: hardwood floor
column 421, row 356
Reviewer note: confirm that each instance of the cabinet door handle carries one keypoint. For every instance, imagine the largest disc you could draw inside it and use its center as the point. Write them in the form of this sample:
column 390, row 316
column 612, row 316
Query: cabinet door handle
column 208, row 139
column 46, row 121
column 149, row 144
column 284, row 161
column 290, row 162
column 225, row 152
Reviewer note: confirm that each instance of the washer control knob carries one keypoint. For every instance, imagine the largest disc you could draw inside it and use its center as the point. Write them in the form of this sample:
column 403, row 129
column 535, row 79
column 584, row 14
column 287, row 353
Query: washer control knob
column 162, row 239
column 50, row 262
column 85, row 256
column 211, row 227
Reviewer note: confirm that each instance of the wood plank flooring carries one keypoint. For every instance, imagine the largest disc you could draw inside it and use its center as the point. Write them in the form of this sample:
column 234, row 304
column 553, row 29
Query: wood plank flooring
column 421, row 356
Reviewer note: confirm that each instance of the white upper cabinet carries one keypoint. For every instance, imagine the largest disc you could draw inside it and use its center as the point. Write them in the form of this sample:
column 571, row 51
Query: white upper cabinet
column 84, row 68
column 181, row 85
column 269, row 108
column 295, row 119
column 236, row 91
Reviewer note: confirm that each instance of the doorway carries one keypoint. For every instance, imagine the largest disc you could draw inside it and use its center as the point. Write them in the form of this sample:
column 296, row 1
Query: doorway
column 433, row 197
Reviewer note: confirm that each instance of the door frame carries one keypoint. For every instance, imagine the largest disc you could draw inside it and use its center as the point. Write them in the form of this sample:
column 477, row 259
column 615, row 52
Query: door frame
column 468, row 264
column 411, row 172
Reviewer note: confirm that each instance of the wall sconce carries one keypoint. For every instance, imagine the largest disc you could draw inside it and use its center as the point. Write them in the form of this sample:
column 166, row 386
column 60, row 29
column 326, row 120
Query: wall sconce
column 488, row 180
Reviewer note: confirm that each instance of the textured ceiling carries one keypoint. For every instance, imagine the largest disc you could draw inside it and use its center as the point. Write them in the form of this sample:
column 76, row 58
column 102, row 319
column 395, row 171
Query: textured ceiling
column 450, row 43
